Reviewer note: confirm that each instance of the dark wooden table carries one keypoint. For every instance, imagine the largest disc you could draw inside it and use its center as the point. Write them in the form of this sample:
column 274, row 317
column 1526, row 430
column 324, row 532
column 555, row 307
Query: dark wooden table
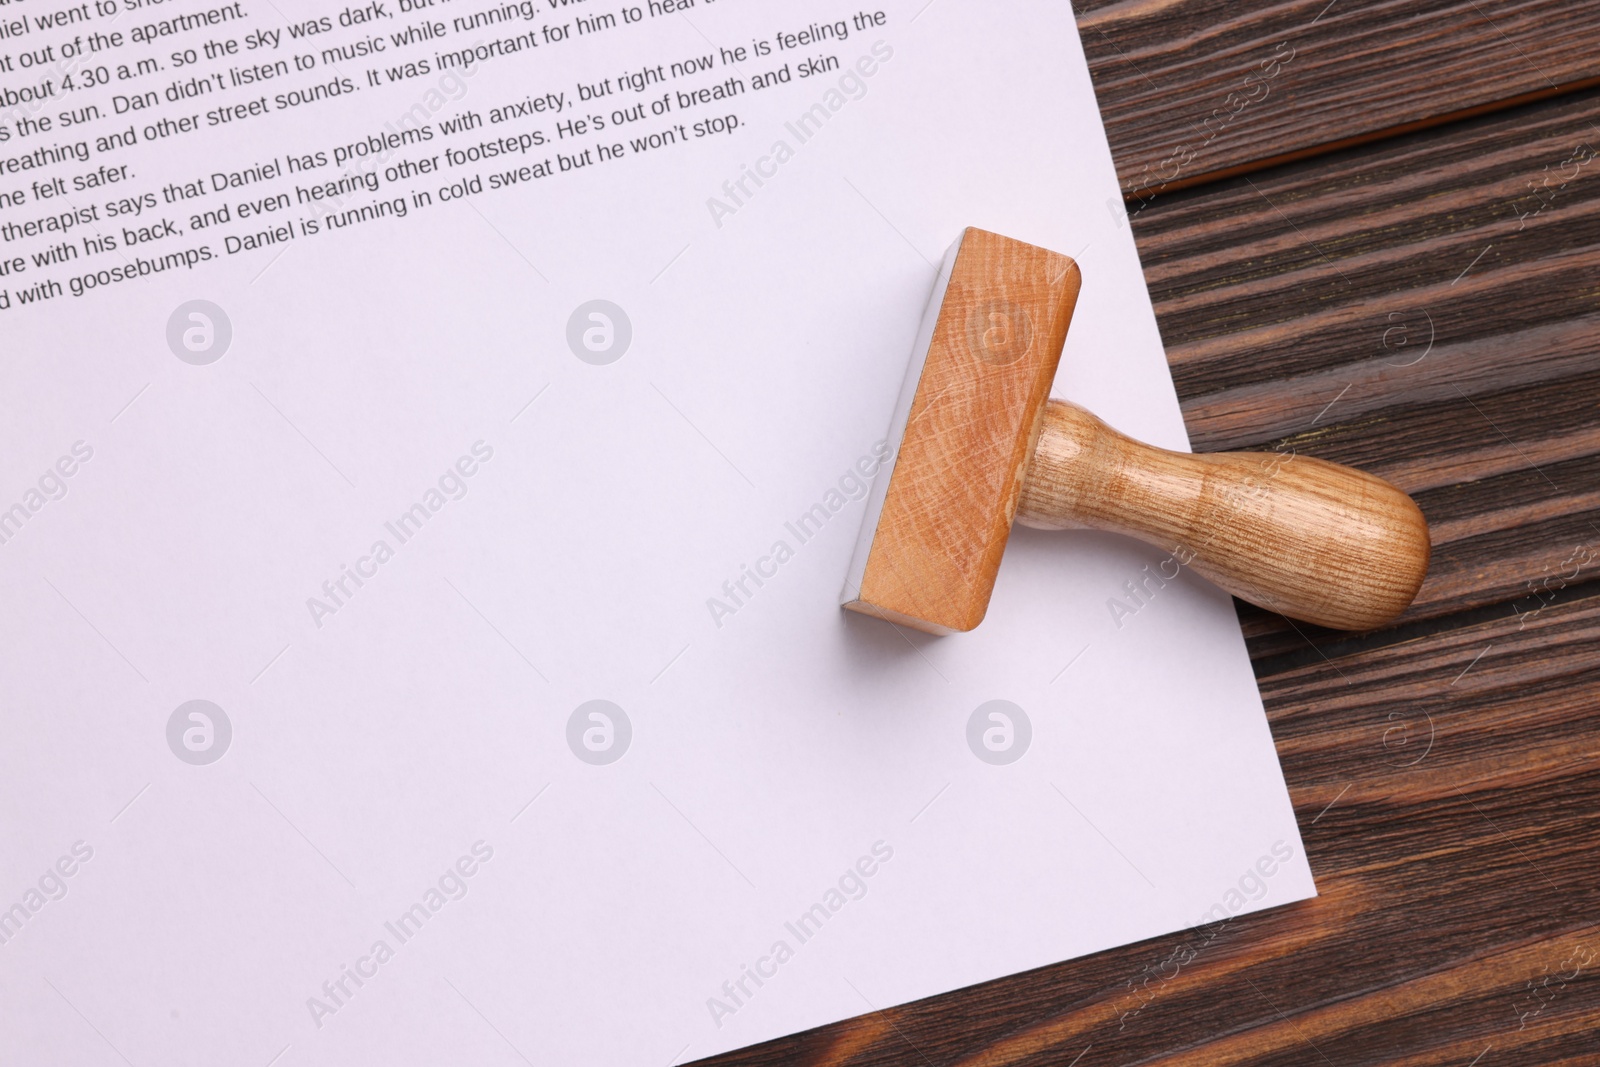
column 1372, row 231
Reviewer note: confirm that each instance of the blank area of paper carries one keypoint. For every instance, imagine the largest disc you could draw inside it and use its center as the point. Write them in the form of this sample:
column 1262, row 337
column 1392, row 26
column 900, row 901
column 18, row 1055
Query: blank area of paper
column 773, row 746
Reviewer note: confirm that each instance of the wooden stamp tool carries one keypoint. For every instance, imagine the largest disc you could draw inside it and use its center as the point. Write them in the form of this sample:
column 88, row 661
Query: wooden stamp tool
column 980, row 444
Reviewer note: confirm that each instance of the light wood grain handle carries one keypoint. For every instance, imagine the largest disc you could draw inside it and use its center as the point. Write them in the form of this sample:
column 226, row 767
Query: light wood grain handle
column 1309, row 539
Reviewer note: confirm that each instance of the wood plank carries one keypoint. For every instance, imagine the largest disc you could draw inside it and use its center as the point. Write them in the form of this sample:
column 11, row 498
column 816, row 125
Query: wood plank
column 1193, row 90
column 1417, row 310
column 1450, row 803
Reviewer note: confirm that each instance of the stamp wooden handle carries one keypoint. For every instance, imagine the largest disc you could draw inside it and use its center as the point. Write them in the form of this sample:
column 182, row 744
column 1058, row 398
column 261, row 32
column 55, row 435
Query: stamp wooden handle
column 1312, row 540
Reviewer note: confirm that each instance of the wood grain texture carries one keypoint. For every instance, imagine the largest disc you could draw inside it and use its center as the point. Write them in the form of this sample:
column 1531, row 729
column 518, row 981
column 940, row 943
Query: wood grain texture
column 1317, row 542
column 991, row 353
column 1415, row 309
column 1194, row 90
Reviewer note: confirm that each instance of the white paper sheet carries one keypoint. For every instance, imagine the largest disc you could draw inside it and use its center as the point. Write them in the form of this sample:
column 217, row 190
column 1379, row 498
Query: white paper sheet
column 374, row 842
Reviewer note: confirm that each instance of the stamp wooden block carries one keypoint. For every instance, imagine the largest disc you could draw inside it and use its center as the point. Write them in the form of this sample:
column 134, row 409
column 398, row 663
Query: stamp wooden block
column 980, row 445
